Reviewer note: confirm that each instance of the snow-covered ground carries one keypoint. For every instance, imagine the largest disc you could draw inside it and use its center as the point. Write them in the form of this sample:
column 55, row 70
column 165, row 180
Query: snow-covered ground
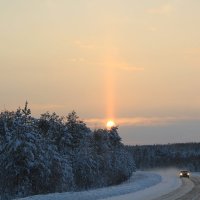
column 170, row 181
column 196, row 173
column 141, row 186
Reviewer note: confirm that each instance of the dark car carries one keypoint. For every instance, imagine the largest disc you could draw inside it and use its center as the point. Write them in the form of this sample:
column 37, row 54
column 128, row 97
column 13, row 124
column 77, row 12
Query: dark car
column 184, row 173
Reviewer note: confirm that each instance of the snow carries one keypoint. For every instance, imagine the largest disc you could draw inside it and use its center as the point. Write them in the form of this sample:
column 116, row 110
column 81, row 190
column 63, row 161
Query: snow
column 170, row 181
column 195, row 173
column 141, row 186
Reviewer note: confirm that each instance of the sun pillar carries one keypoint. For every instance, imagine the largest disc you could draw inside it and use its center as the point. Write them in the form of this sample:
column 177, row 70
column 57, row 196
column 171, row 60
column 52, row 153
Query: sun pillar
column 110, row 89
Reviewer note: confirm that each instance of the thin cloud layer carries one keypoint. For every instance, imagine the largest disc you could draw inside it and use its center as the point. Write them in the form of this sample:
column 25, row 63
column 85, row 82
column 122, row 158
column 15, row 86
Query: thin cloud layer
column 162, row 10
column 130, row 68
column 139, row 121
column 46, row 107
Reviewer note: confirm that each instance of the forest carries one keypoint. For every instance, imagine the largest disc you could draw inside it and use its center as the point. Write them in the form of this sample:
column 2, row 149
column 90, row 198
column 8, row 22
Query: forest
column 180, row 155
column 57, row 154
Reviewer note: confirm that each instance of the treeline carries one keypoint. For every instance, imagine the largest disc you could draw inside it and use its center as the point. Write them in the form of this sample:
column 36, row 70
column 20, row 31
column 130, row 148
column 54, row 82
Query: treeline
column 56, row 154
column 181, row 155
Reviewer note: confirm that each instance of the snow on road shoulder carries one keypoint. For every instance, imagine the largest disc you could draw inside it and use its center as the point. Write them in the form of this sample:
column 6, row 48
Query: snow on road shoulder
column 195, row 173
column 139, row 181
column 170, row 182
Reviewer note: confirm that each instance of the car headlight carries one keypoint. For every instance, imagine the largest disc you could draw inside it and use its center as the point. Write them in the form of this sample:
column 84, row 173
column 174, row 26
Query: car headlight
column 181, row 174
column 188, row 174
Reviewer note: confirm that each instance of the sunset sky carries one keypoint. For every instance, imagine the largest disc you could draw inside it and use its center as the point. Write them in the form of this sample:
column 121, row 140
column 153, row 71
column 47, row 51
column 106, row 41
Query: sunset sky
column 135, row 62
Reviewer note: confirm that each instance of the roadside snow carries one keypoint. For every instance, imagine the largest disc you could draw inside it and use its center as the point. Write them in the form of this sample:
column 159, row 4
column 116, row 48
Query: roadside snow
column 141, row 186
column 195, row 173
column 170, row 182
column 139, row 181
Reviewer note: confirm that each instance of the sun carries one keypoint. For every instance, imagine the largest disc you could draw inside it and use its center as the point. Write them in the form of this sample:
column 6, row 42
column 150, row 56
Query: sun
column 110, row 124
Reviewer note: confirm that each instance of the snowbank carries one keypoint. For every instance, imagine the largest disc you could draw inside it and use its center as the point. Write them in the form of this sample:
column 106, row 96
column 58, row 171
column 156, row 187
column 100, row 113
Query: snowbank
column 141, row 186
column 170, row 181
column 139, row 181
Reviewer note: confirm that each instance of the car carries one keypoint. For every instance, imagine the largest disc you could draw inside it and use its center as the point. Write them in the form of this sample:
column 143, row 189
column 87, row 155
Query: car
column 184, row 173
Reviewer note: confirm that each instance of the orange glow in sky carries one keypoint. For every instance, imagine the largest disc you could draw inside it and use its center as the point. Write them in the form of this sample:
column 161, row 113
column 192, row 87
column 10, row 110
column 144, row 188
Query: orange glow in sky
column 129, row 61
column 110, row 92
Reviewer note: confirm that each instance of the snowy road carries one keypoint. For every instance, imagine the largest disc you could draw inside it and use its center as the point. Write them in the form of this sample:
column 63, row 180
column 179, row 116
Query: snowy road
column 154, row 185
column 169, row 183
column 190, row 189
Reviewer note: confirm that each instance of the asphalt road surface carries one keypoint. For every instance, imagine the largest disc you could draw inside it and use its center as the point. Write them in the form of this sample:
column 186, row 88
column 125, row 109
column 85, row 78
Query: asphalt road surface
column 190, row 190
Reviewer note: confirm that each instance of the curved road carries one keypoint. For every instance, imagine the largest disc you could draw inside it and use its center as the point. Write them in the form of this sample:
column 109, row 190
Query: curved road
column 190, row 190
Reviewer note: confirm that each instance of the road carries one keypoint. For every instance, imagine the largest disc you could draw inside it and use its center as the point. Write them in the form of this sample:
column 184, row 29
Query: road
column 190, row 190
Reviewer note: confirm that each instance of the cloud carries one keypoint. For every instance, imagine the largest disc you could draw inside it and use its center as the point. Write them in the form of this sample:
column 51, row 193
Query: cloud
column 130, row 68
column 95, row 123
column 125, row 66
column 139, row 121
column 76, row 60
column 162, row 10
column 118, row 65
column 46, row 107
column 83, row 45
column 152, row 29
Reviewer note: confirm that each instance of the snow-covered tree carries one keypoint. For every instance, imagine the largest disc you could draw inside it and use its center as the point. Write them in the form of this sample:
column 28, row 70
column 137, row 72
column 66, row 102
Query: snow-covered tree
column 56, row 154
column 185, row 155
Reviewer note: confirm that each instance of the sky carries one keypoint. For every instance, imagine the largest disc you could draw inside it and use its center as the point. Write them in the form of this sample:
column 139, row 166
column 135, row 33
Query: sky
column 135, row 62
